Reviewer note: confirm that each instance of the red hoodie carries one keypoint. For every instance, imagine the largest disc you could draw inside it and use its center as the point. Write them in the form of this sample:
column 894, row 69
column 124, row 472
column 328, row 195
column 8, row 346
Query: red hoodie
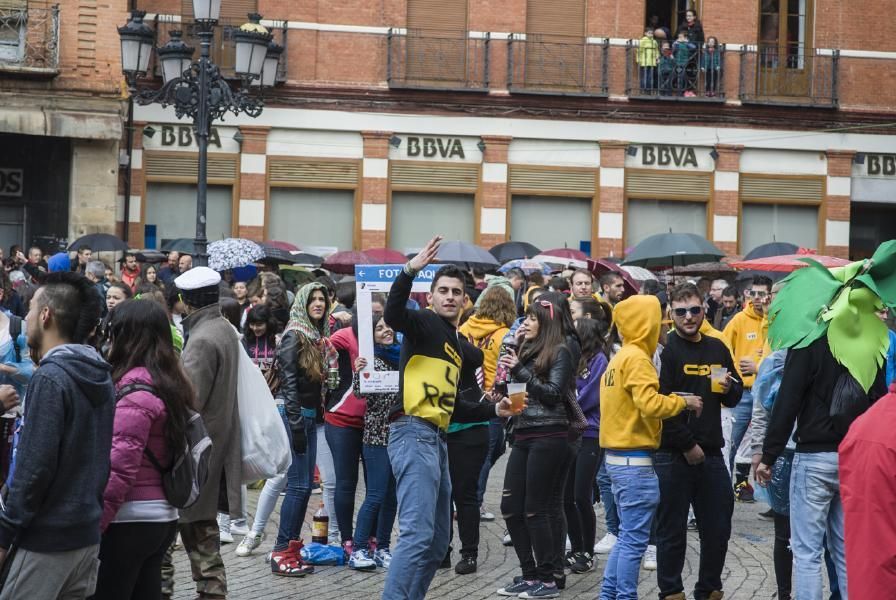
column 347, row 411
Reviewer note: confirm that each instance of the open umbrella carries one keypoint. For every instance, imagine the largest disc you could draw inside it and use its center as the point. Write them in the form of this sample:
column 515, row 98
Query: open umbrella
column 566, row 253
column 639, row 274
column 702, row 269
column 231, row 253
column 150, row 256
column 528, row 266
column 788, row 263
column 772, row 249
column 99, row 242
column 275, row 255
column 344, row 262
column 672, row 250
column 288, row 246
column 182, row 245
column 513, row 250
column 602, row 266
column 558, row 263
column 386, row 256
column 307, row 259
column 296, row 276
column 465, row 255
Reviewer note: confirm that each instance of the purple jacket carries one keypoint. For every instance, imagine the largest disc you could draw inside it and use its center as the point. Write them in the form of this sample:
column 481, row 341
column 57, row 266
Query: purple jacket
column 588, row 393
column 139, row 423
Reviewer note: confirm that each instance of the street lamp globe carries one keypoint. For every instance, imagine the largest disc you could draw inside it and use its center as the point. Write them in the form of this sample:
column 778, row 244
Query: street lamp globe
column 175, row 57
column 136, row 45
column 251, row 48
column 271, row 66
column 206, row 10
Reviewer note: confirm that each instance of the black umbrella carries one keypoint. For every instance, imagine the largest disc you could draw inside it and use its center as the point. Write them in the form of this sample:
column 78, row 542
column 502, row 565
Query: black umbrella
column 304, row 258
column 182, row 245
column 466, row 256
column 772, row 249
column 275, row 255
column 509, row 251
column 150, row 256
column 99, row 242
column 672, row 250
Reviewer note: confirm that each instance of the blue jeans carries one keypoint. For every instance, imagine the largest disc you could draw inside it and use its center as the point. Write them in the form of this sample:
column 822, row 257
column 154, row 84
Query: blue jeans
column 345, row 444
column 495, row 450
column 298, row 484
column 637, row 493
column 419, row 457
column 379, row 507
column 648, row 78
column 742, row 413
column 606, row 497
column 816, row 511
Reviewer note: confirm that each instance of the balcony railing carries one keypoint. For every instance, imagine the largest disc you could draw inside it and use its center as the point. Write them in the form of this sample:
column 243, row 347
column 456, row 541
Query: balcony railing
column 795, row 76
column 692, row 74
column 557, row 65
column 29, row 38
column 223, row 45
column 437, row 60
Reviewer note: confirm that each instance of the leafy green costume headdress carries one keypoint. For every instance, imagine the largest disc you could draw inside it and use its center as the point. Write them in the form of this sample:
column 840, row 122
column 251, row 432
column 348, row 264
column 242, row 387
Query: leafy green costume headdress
column 840, row 303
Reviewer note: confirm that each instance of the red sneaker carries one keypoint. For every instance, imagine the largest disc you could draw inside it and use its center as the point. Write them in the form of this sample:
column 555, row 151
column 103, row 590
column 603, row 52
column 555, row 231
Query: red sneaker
column 288, row 563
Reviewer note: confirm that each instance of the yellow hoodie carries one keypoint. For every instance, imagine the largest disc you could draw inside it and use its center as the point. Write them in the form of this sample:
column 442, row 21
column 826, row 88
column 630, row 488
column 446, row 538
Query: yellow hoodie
column 486, row 335
column 631, row 407
column 745, row 336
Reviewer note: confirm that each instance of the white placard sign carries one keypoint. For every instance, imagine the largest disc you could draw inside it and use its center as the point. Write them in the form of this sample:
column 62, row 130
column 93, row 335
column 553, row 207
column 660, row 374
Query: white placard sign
column 370, row 279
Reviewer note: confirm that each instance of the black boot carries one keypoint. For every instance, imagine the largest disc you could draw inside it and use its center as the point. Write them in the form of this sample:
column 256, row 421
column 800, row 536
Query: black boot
column 466, row 566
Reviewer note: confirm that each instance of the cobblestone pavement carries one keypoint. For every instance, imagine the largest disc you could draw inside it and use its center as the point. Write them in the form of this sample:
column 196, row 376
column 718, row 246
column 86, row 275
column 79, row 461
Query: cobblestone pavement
column 748, row 571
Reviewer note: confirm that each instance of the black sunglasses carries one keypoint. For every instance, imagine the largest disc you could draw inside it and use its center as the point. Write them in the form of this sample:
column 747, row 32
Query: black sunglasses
column 692, row 310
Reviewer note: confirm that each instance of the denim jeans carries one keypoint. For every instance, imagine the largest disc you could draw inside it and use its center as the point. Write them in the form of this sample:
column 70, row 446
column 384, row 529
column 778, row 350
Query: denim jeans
column 377, row 514
column 816, row 511
column 743, row 412
column 495, row 450
column 708, row 487
column 327, row 477
column 648, row 78
column 419, row 457
column 298, row 485
column 345, row 444
column 637, row 493
column 611, row 517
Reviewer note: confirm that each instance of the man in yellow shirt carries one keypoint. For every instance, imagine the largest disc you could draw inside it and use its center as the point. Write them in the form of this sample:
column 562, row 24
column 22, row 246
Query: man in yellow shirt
column 745, row 335
column 632, row 410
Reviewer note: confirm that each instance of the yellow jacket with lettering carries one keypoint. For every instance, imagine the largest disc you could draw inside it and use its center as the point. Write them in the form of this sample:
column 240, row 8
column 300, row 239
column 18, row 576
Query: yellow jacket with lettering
column 745, row 336
column 486, row 335
column 631, row 408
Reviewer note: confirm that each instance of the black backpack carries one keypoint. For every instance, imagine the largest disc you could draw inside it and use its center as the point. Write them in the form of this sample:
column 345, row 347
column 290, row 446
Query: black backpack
column 848, row 402
column 184, row 478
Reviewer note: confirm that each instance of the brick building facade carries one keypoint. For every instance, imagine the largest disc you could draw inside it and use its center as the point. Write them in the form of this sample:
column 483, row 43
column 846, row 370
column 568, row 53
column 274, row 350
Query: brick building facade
column 487, row 121
column 60, row 121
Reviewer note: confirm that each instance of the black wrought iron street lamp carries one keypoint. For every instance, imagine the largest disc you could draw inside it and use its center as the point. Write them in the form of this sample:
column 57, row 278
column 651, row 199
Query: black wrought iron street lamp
column 197, row 89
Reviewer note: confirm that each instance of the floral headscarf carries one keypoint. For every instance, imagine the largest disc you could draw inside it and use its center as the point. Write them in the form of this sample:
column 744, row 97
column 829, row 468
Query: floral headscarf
column 301, row 323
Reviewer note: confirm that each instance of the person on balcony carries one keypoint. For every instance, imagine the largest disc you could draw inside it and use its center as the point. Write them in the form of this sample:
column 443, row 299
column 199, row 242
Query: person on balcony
column 647, row 57
column 711, row 66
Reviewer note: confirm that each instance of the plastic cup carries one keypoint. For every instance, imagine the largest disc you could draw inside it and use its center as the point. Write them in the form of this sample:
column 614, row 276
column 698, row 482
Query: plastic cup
column 718, row 375
column 517, row 394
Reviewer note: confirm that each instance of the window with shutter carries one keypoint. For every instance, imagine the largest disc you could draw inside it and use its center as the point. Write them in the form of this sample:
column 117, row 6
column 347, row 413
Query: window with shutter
column 12, row 30
column 555, row 43
column 233, row 14
column 437, row 41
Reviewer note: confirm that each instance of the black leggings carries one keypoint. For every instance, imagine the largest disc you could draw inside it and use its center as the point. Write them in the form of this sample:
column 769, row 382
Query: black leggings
column 783, row 557
column 467, row 451
column 131, row 560
column 578, row 502
column 531, row 481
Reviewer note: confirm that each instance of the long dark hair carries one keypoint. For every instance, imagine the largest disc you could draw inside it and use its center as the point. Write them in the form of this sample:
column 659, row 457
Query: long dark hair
column 140, row 336
column 593, row 335
column 543, row 349
column 260, row 314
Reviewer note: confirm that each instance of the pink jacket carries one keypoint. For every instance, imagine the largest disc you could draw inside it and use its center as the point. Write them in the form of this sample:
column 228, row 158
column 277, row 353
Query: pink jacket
column 139, row 423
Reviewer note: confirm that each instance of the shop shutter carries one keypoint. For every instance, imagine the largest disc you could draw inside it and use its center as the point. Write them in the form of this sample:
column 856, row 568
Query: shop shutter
column 528, row 215
column 183, row 165
column 555, row 43
column 413, row 215
column 435, row 176
column 644, row 218
column 765, row 223
column 286, row 171
column 437, row 41
column 231, row 10
column 534, row 180
column 667, row 184
column 171, row 207
column 555, row 17
column 767, row 188
column 326, row 216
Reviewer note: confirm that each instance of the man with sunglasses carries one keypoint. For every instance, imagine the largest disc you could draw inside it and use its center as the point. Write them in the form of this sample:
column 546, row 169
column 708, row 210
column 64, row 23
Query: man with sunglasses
column 689, row 463
column 745, row 335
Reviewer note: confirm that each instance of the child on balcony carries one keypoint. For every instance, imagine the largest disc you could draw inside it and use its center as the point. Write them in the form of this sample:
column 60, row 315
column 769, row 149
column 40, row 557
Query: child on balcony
column 683, row 51
column 666, row 69
column 711, row 66
column 647, row 58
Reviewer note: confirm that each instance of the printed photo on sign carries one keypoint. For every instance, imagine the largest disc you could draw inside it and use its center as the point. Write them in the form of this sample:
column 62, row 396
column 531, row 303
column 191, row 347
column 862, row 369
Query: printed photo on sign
column 371, row 279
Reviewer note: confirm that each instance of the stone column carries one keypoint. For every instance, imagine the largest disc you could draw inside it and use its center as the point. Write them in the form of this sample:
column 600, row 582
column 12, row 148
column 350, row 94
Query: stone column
column 726, row 198
column 835, row 210
column 253, row 183
column 374, row 189
column 612, row 199
column 94, row 186
column 493, row 216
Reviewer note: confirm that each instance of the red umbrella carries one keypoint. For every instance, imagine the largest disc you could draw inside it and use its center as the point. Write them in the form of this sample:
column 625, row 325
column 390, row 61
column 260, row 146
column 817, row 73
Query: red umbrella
column 566, row 253
column 602, row 266
column 386, row 256
column 283, row 246
column 344, row 262
column 788, row 262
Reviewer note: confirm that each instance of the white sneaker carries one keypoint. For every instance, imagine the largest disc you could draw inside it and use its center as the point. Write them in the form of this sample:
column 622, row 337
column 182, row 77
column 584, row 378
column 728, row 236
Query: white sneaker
column 239, row 527
column 484, row 515
column 568, row 544
column 606, row 543
column 649, row 562
column 383, row 558
column 249, row 543
column 360, row 559
column 334, row 538
column 224, row 528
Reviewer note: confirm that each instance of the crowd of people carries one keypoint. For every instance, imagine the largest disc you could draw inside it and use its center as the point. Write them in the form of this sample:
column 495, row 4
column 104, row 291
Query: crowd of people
column 658, row 404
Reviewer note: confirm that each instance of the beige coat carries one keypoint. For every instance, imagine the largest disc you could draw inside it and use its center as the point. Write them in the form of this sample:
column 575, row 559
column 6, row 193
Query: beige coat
column 211, row 359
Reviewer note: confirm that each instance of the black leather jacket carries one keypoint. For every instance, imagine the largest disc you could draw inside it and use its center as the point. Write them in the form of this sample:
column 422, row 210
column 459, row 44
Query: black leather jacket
column 297, row 389
column 547, row 395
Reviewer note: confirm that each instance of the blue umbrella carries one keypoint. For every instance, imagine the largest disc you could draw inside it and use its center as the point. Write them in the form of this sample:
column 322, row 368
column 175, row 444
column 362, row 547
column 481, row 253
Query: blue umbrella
column 527, row 265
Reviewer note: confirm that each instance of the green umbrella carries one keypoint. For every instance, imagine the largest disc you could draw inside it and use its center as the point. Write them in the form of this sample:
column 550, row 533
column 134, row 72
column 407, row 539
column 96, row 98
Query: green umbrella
column 665, row 250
